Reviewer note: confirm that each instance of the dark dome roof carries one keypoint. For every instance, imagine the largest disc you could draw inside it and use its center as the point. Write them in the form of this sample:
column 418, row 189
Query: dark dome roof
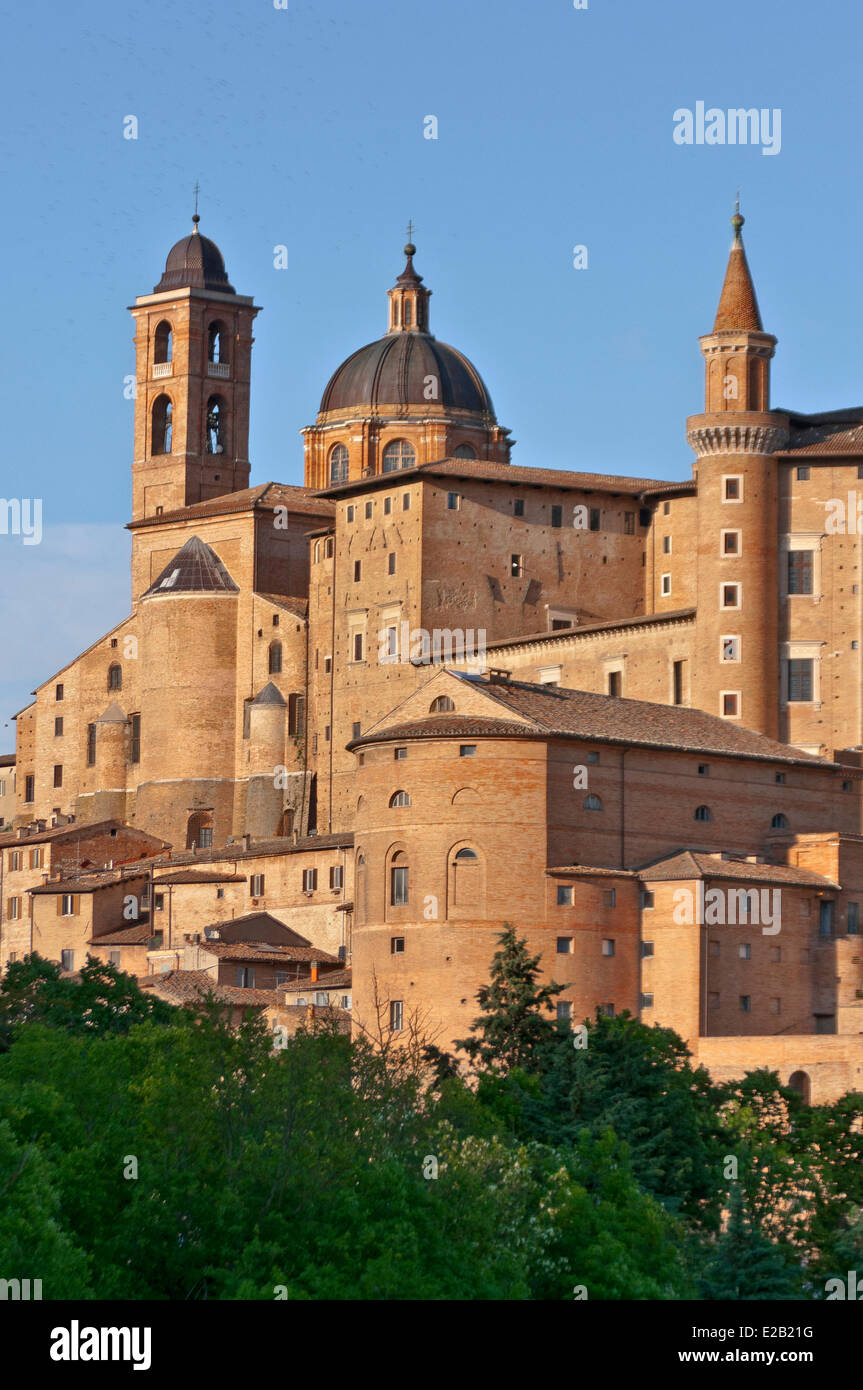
column 197, row 262
column 393, row 371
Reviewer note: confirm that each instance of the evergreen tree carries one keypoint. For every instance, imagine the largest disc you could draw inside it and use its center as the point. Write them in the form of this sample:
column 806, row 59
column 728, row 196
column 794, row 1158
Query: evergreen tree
column 746, row 1267
column 511, row 1030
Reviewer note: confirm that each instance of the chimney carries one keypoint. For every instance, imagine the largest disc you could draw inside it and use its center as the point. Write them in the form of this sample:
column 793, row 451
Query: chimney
column 496, row 676
column 314, row 975
column 247, row 842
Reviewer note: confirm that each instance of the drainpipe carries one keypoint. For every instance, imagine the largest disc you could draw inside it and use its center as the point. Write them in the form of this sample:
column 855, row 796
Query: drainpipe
column 623, row 809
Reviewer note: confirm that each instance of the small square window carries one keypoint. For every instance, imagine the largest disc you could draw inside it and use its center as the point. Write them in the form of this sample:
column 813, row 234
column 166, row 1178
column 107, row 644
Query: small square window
column 608, row 946
column 803, row 473
column 593, row 757
column 400, row 754
column 397, row 945
column 453, row 501
column 730, row 542
column 780, row 777
column 557, row 516
column 646, row 949
column 516, row 566
column 745, row 1003
column 647, row 899
column 704, row 769
column 518, row 506
column 730, row 704
column 730, row 595
column 744, row 950
column 368, row 510
column 388, row 506
column 647, row 1001
column 564, row 1009
column 731, row 489
column 565, row 893
column 564, row 945
column 666, row 509
column 467, row 750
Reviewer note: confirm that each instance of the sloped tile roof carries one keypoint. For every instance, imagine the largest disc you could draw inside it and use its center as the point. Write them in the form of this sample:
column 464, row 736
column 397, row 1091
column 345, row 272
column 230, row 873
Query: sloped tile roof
column 258, row 950
column 136, row 935
column 266, row 496
column 482, row 469
column 195, row 569
column 687, row 863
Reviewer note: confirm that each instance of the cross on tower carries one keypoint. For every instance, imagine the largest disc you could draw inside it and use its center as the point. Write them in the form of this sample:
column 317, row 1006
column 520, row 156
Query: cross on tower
column 196, row 190
column 410, row 230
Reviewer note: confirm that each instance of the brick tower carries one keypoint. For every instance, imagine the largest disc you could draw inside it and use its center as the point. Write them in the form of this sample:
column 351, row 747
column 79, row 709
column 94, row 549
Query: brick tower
column 737, row 636
column 193, row 345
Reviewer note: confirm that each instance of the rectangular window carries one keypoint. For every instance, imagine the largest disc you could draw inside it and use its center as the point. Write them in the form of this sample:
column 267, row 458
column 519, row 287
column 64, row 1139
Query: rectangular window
column 607, row 1010
column 326, row 733
column 368, row 511
column 678, row 672
column 245, row 977
column 853, row 919
column 730, row 704
column 730, row 595
column 609, row 897
column 593, row 523
column 58, row 726
column 564, row 1010
column 745, row 1003
column 397, row 1011
column 114, row 958
column 35, row 858
column 358, row 646
column 730, row 648
column 453, row 501
column 397, row 945
column 328, row 546
column 518, row 506
column 614, row 683
column 666, row 545
column 803, row 473
column 744, row 950
column 800, row 571
column 565, row 893
column 646, row 949
column 30, row 788
column 310, row 880
column 68, row 905
column 467, row 750
column 780, row 777
column 58, row 774
column 13, row 909
column 608, row 947
column 328, row 664
column 391, row 562
column 67, row 960
column 406, row 502
column 356, row 726
column 91, row 745
column 358, row 569
column 557, row 516
column 731, row 542
column 135, row 741
column 350, row 513
column 776, row 1006
column 256, row 885
column 399, row 885
column 666, row 509
column 825, row 918
column 516, row 566
column 205, row 837
column 800, row 679
column 629, row 523
column 731, row 489
column 400, row 754
column 593, row 757
column 388, row 506
column 296, row 715
column 647, row 1001
column 336, row 876
column 666, row 585
column 647, row 898
column 564, row 945
column 58, row 692
column 14, row 860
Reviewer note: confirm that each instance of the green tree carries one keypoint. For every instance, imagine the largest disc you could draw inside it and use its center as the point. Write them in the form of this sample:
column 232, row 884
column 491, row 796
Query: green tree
column 744, row 1266
column 511, row 1030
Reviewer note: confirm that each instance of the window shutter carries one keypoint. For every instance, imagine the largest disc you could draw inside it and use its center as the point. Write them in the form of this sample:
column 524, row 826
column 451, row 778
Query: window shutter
column 59, row 904
column 76, row 904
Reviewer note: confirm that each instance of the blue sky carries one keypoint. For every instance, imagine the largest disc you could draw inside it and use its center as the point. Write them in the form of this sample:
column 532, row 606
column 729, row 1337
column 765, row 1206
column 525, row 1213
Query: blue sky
column 305, row 128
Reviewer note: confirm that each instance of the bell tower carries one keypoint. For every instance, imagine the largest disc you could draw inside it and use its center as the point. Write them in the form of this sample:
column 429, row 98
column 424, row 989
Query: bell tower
column 193, row 346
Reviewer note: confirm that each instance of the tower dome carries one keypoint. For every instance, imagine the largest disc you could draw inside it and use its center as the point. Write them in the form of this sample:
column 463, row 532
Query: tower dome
column 195, row 262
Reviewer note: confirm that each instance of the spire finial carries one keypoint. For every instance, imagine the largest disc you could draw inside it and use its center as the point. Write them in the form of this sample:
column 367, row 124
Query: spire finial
column 195, row 218
column 410, row 249
column 737, row 221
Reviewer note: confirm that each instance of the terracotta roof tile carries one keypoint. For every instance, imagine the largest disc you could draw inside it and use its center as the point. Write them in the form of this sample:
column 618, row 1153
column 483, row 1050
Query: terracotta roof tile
column 257, row 950
column 738, row 307
column 265, row 496
column 298, row 606
column 482, row 469
column 687, row 863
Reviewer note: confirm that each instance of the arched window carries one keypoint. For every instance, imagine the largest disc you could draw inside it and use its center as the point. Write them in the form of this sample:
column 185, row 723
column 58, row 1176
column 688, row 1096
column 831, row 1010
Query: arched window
column 317, row 551
column 398, row 454
column 400, row 799
column 464, row 451
column 702, row 813
column 115, row 677
column 465, row 856
column 466, row 887
column 338, row 464
column 163, row 347
column 799, row 1082
column 441, row 704
column 163, row 427
column 199, row 830
column 592, row 802
column 217, row 342
column 274, row 665
column 399, row 880
column 217, row 424
column 779, row 822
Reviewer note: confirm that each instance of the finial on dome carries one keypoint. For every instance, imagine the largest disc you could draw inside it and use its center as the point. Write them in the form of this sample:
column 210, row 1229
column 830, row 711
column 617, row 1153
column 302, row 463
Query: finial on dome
column 737, row 220
column 195, row 218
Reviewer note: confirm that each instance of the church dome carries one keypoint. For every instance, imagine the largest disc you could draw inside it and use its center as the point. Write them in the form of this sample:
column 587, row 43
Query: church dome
column 195, row 262
column 408, row 367
column 395, row 371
